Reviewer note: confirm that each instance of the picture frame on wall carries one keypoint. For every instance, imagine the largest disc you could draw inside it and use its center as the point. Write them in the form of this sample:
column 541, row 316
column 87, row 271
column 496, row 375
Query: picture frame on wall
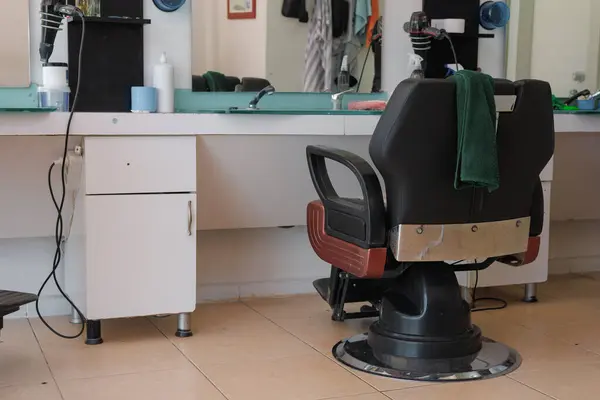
column 241, row 9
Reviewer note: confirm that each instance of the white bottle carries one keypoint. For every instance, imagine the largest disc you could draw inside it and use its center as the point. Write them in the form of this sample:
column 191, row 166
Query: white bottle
column 164, row 82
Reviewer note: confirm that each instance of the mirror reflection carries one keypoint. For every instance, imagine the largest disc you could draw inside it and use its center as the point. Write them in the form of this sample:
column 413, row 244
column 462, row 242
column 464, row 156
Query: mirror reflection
column 557, row 41
column 283, row 43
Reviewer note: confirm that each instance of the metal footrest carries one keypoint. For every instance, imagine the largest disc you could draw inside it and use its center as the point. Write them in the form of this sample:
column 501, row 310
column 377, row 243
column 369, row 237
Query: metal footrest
column 12, row 301
column 493, row 360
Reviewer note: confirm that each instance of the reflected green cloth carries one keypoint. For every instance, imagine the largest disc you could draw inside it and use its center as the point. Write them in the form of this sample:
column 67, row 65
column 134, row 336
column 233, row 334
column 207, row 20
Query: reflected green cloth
column 477, row 157
column 558, row 104
column 362, row 12
column 216, row 81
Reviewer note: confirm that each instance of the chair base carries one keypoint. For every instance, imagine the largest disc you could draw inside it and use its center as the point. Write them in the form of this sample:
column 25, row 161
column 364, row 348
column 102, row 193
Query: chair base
column 493, row 360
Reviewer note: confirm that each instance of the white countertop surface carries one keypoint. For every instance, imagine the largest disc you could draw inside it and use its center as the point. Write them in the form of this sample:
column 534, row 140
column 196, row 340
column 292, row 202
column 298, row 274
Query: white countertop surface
column 111, row 124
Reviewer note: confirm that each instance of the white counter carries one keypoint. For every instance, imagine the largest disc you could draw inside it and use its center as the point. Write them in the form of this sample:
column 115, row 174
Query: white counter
column 93, row 124
column 245, row 164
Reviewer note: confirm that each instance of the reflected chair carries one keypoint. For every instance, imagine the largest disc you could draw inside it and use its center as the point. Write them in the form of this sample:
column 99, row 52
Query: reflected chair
column 401, row 255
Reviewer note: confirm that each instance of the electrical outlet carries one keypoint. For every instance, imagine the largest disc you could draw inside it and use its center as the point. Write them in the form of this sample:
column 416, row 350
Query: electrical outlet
column 579, row 76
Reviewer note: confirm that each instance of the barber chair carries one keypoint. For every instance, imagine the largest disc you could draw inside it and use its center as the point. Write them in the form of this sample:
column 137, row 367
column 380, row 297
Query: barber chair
column 10, row 302
column 401, row 255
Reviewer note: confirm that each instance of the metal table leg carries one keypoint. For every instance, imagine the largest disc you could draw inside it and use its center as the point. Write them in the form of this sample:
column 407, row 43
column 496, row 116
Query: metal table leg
column 75, row 318
column 184, row 325
column 467, row 295
column 530, row 293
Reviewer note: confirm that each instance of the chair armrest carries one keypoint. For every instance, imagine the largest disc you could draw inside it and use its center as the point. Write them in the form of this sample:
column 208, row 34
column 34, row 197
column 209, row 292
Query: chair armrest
column 361, row 222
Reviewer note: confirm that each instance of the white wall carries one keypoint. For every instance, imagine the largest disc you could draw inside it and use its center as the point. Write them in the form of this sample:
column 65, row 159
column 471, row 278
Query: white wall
column 242, row 43
column 14, row 44
column 28, row 217
column 170, row 32
column 232, row 47
column 285, row 48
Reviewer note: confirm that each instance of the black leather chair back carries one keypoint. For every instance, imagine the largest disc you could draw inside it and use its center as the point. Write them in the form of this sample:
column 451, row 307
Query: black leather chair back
column 414, row 147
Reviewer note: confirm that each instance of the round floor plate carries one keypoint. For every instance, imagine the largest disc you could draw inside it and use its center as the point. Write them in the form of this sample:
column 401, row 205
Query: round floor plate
column 493, row 360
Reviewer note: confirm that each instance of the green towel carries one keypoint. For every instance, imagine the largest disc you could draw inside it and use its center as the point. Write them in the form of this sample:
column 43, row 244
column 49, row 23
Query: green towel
column 477, row 157
column 216, row 81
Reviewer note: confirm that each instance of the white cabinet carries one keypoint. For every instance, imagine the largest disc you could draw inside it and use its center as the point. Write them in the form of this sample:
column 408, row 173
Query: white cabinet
column 141, row 257
column 132, row 244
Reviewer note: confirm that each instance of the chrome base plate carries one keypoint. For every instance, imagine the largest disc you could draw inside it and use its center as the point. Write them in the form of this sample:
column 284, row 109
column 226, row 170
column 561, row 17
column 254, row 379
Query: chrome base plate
column 493, row 360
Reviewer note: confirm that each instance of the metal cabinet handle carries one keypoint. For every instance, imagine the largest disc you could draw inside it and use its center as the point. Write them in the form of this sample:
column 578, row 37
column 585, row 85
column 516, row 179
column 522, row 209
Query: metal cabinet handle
column 190, row 218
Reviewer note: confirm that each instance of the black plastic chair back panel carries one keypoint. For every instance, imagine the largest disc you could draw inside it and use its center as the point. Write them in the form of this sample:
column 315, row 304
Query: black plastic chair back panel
column 414, row 147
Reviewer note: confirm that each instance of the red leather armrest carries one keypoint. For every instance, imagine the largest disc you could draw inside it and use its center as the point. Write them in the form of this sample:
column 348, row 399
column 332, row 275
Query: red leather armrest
column 360, row 262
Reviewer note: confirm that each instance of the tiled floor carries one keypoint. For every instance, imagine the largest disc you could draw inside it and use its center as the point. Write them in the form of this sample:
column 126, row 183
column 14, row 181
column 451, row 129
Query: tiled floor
column 279, row 349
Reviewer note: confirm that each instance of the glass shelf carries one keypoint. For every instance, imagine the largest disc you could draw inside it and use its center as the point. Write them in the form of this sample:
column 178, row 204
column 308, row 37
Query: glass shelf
column 27, row 109
column 248, row 111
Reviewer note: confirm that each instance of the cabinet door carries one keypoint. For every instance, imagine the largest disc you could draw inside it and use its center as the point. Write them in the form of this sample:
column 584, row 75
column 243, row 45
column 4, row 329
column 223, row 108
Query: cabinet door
column 141, row 255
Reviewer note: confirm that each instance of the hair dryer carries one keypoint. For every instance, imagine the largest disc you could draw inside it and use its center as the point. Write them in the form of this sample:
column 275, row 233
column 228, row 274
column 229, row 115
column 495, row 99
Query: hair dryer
column 52, row 13
column 421, row 33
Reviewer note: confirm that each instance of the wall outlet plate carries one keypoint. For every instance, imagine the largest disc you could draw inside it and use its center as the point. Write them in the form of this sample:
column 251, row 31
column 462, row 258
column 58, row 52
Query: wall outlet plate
column 168, row 5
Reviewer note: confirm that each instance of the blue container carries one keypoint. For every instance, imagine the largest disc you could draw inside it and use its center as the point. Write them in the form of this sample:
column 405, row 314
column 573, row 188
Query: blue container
column 494, row 14
column 55, row 98
column 587, row 104
column 144, row 99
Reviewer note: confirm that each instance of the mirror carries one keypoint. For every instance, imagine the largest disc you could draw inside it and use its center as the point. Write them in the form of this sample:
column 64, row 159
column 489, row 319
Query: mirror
column 14, row 46
column 265, row 47
column 557, row 41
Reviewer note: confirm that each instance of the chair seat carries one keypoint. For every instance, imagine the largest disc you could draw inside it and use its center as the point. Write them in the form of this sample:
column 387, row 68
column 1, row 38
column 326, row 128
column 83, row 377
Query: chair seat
column 11, row 301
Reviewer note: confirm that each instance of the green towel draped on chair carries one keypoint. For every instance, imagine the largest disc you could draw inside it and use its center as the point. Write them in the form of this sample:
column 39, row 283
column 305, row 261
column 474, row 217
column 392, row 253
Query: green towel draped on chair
column 477, row 157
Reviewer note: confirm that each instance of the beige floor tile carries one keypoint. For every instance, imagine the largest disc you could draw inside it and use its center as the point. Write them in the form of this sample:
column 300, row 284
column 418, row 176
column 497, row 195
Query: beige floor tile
column 218, row 348
column 277, row 308
column 536, row 348
column 222, row 318
column 370, row 396
column 308, row 317
column 21, row 359
column 294, row 378
column 295, row 307
column 384, row 384
column 493, row 389
column 48, row 391
column 225, row 333
column 187, row 384
column 545, row 315
column 323, row 333
column 130, row 346
column 583, row 335
column 565, row 381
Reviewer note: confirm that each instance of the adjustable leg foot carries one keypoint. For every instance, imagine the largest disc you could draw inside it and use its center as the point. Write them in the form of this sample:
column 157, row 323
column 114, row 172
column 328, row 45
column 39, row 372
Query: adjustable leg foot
column 530, row 293
column 75, row 317
column 93, row 332
column 184, row 325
